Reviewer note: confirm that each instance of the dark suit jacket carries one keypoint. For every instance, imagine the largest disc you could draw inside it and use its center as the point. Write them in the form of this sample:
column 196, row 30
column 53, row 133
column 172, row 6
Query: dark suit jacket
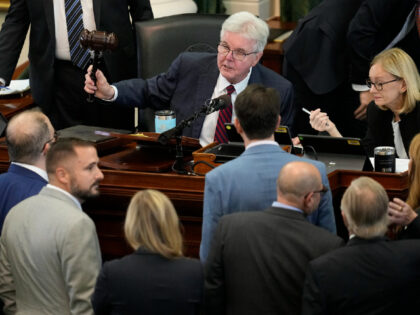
column 147, row 283
column 373, row 276
column 380, row 132
column 373, row 28
column 258, row 260
column 110, row 16
column 189, row 82
column 317, row 48
column 16, row 185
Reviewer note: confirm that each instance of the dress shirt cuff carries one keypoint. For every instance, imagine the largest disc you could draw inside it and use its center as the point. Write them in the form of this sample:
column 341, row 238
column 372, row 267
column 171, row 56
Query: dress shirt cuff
column 115, row 95
column 360, row 87
column 2, row 82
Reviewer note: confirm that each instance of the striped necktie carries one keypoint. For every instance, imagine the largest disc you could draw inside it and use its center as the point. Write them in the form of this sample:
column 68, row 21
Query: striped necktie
column 225, row 116
column 74, row 16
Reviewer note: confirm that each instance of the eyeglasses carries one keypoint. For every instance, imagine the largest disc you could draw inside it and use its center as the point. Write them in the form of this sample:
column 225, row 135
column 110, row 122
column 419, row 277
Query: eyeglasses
column 322, row 191
column 379, row 86
column 52, row 140
column 237, row 54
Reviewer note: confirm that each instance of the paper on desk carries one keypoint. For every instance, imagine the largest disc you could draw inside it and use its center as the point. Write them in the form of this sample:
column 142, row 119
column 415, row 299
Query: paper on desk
column 16, row 86
column 401, row 165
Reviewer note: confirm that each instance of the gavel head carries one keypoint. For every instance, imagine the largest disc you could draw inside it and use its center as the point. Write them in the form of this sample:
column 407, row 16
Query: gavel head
column 98, row 40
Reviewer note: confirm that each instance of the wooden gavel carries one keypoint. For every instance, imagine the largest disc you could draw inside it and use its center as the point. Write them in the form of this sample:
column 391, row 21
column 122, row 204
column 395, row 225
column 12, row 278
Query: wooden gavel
column 98, row 42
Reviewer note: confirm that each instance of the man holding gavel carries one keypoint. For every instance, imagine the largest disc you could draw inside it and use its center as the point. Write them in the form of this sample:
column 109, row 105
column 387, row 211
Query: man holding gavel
column 58, row 64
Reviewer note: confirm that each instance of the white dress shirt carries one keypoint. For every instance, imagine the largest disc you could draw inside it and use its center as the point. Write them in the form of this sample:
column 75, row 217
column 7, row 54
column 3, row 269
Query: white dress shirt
column 62, row 50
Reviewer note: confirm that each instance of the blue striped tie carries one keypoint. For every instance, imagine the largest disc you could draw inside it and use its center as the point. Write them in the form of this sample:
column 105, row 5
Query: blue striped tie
column 225, row 116
column 74, row 16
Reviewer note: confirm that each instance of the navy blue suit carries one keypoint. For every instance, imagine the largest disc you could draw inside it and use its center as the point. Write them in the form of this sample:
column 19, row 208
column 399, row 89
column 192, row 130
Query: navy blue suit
column 189, row 82
column 16, row 185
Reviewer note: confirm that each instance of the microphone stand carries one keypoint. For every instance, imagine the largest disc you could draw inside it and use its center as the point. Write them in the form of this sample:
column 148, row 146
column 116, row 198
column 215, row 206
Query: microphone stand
column 176, row 132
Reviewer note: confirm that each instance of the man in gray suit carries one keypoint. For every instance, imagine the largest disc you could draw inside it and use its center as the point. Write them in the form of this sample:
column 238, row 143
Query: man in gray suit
column 258, row 260
column 248, row 183
column 49, row 250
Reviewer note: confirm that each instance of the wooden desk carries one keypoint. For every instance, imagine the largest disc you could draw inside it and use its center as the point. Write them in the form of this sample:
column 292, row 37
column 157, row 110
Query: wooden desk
column 186, row 192
column 11, row 106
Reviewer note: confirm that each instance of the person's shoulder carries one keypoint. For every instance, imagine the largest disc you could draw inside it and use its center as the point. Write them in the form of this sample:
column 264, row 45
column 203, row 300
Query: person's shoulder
column 273, row 78
column 197, row 57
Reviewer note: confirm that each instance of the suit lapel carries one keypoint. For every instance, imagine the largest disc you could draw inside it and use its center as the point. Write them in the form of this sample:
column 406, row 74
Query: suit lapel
column 255, row 75
column 49, row 15
column 97, row 12
column 205, row 87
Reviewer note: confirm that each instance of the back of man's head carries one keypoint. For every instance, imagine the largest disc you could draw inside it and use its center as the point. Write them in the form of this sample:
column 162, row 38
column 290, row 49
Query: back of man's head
column 26, row 136
column 257, row 109
column 296, row 181
column 365, row 208
column 62, row 152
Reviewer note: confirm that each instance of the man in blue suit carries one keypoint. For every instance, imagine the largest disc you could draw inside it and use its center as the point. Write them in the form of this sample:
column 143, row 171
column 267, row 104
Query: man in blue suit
column 248, row 183
column 28, row 136
column 194, row 78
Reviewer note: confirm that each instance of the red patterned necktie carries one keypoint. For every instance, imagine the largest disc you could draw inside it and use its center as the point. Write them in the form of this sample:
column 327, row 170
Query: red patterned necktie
column 225, row 116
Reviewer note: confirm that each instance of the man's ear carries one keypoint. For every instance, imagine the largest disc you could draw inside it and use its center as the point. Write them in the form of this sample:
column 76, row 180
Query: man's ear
column 278, row 122
column 238, row 126
column 307, row 202
column 257, row 58
column 62, row 175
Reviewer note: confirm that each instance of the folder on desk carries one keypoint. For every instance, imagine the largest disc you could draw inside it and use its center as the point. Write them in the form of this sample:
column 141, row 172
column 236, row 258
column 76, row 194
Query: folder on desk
column 336, row 153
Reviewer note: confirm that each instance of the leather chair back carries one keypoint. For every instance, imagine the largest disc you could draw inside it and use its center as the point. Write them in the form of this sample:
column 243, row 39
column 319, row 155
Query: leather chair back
column 161, row 40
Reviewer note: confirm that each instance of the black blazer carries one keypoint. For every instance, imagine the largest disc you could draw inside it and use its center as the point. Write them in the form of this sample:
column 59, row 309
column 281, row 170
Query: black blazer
column 380, row 132
column 110, row 16
column 373, row 28
column 257, row 262
column 147, row 283
column 317, row 48
column 373, row 276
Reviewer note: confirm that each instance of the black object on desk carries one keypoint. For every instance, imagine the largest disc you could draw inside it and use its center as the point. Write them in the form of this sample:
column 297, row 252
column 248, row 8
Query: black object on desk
column 336, row 153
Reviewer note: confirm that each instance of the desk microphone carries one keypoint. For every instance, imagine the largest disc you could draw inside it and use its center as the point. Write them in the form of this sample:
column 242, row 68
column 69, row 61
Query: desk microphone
column 213, row 105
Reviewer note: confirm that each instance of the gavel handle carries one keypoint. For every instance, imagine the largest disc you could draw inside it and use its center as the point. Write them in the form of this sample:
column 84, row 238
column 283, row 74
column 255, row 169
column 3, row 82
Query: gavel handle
column 92, row 73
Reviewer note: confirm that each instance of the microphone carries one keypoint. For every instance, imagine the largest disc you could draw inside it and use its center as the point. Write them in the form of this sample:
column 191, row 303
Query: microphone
column 213, row 105
column 218, row 103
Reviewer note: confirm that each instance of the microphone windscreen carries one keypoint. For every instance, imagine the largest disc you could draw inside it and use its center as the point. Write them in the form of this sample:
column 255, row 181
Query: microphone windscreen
column 224, row 100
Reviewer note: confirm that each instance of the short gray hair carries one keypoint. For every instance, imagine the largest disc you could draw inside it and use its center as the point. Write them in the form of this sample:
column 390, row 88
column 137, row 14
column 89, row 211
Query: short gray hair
column 365, row 205
column 249, row 26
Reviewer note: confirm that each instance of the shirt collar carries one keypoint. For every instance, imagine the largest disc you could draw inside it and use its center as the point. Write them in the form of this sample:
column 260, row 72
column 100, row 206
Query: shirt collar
column 67, row 194
column 261, row 142
column 222, row 84
column 34, row 169
column 277, row 204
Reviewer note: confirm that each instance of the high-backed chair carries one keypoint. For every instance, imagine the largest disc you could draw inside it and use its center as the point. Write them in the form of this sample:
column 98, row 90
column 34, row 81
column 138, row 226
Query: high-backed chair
column 160, row 41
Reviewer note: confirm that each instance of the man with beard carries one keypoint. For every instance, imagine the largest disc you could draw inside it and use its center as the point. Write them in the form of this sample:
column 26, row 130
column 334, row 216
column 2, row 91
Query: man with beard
column 49, row 250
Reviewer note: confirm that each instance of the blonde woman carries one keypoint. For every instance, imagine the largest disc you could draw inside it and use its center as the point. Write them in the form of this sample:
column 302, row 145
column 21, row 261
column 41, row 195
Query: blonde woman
column 156, row 278
column 393, row 118
column 402, row 213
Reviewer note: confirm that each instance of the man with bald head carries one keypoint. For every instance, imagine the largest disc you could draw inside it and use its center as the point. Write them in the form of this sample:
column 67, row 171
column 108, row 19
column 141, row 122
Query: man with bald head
column 28, row 136
column 258, row 260
column 49, row 250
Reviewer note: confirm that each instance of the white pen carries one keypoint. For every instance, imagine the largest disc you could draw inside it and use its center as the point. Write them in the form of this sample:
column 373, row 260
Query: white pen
column 306, row 111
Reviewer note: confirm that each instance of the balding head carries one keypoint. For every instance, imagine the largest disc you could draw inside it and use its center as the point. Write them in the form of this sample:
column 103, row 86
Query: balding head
column 365, row 208
column 299, row 185
column 27, row 135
